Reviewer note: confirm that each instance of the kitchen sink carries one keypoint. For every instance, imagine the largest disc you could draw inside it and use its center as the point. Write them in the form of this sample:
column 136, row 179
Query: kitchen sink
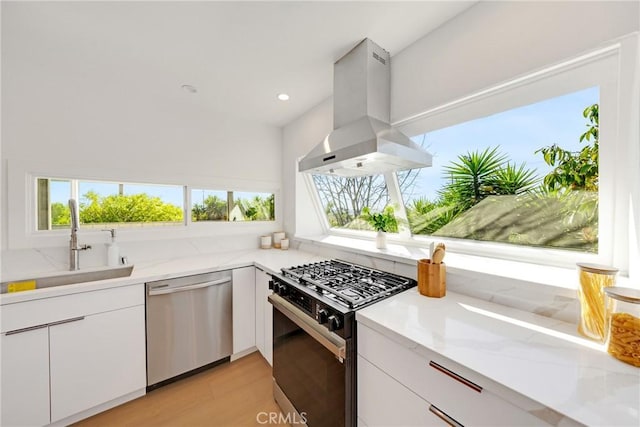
column 70, row 278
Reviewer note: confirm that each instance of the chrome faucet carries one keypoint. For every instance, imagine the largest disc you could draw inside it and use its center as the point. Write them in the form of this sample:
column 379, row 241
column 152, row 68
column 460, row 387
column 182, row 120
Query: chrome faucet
column 74, row 249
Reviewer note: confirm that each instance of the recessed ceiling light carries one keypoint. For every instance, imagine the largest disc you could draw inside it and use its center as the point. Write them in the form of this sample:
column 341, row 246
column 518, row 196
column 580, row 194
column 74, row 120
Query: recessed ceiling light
column 283, row 97
column 189, row 88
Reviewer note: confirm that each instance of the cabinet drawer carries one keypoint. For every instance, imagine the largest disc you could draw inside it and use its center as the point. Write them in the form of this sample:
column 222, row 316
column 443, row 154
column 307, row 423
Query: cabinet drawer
column 383, row 401
column 435, row 380
column 38, row 312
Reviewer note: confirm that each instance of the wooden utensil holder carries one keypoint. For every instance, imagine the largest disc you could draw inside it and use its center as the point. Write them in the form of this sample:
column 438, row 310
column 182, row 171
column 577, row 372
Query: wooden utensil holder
column 432, row 279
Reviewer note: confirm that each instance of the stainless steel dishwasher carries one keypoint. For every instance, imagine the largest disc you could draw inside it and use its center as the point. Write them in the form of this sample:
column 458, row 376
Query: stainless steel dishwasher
column 189, row 325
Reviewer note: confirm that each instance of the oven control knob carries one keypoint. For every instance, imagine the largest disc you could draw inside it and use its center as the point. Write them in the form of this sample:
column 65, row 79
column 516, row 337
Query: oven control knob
column 282, row 289
column 334, row 323
column 323, row 315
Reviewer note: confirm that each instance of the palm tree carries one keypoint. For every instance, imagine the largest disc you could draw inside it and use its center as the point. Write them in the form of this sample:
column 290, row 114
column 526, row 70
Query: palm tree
column 511, row 179
column 472, row 176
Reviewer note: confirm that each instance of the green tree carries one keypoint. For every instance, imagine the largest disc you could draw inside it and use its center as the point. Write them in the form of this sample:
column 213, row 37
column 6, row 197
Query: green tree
column 257, row 209
column 60, row 214
column 478, row 174
column 127, row 208
column 575, row 170
column 213, row 208
column 473, row 177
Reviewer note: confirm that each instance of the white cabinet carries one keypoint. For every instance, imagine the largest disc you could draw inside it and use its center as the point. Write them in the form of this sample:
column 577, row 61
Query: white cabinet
column 264, row 316
column 96, row 359
column 443, row 389
column 383, row 401
column 25, row 377
column 66, row 358
column 244, row 309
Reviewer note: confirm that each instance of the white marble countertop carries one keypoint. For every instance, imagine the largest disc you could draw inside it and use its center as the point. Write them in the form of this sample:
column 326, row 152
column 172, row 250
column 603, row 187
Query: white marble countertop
column 538, row 357
column 271, row 260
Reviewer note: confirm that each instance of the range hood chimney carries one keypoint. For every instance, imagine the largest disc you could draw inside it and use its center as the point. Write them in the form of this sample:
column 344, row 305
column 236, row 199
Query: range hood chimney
column 363, row 142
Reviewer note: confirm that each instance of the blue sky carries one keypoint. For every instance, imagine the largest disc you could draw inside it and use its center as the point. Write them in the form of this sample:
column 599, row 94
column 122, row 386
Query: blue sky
column 518, row 133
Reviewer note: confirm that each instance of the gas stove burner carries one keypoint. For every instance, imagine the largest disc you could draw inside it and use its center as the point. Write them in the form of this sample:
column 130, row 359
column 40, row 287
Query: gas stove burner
column 348, row 284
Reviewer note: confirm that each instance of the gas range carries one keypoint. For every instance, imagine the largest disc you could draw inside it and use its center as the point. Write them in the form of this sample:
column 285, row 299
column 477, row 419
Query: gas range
column 331, row 291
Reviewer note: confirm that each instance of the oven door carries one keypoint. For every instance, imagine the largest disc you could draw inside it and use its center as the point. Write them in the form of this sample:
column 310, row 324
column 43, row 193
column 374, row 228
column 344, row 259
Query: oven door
column 313, row 371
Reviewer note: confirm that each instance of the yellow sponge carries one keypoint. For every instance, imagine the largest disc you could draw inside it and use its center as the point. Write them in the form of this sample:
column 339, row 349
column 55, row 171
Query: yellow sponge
column 27, row 285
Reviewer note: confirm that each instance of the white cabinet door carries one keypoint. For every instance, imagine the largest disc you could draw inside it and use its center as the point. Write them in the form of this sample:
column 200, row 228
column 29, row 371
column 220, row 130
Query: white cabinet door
column 244, row 309
column 25, row 378
column 382, row 401
column 264, row 316
column 260, row 295
column 96, row 359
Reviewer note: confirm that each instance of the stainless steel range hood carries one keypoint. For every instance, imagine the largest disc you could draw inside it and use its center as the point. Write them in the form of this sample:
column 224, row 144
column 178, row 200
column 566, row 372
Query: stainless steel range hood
column 363, row 142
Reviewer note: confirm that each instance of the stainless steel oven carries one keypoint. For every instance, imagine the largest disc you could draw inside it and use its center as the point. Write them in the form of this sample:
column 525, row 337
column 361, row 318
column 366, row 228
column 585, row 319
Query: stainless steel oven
column 314, row 337
column 313, row 369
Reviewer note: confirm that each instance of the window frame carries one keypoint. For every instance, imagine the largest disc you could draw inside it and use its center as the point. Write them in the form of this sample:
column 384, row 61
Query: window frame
column 558, row 79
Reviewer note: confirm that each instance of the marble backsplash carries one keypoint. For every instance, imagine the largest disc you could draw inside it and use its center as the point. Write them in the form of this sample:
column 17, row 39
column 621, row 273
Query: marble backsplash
column 557, row 303
column 15, row 264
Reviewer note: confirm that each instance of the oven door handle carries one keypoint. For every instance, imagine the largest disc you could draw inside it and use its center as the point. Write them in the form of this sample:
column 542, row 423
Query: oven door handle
column 332, row 342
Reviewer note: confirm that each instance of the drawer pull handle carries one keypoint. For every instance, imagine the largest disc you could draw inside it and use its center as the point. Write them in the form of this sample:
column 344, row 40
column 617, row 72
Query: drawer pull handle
column 33, row 328
column 455, row 376
column 30, row 328
column 61, row 322
column 444, row 417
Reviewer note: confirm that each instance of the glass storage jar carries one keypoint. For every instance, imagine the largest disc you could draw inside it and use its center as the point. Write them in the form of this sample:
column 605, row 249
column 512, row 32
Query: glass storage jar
column 594, row 279
column 623, row 324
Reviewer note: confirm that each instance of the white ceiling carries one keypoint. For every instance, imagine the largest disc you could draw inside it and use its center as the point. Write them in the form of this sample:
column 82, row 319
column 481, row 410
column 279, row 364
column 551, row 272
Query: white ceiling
column 239, row 55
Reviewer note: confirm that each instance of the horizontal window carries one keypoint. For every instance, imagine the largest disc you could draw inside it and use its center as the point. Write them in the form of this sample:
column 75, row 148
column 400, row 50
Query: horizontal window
column 526, row 176
column 107, row 203
column 209, row 205
column 251, row 206
column 216, row 205
column 118, row 204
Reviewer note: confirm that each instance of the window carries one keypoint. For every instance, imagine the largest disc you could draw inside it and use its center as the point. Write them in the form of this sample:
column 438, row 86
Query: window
column 107, row 203
column 343, row 199
column 209, row 205
column 518, row 172
column 248, row 206
column 527, row 176
column 216, row 205
column 103, row 203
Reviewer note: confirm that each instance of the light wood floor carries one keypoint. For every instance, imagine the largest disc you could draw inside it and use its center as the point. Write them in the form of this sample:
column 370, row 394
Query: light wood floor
column 232, row 394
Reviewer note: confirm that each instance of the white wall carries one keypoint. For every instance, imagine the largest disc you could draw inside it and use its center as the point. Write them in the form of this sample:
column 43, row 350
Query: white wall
column 298, row 138
column 64, row 115
column 486, row 45
column 496, row 41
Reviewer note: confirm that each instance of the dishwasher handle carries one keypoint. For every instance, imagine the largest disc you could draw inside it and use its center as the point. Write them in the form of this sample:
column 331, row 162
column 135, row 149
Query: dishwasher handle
column 170, row 290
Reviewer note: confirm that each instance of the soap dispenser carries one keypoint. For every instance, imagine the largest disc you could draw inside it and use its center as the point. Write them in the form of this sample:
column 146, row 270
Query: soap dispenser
column 113, row 252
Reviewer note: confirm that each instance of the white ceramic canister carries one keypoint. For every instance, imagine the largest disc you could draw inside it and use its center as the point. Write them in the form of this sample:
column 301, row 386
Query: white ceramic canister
column 284, row 244
column 277, row 238
column 265, row 242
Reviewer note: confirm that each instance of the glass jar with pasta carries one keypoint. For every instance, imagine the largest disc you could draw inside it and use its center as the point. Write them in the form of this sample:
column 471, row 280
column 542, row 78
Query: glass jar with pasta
column 623, row 324
column 593, row 280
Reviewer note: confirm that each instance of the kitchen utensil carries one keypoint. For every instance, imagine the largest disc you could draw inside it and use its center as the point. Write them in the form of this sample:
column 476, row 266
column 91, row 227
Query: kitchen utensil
column 438, row 255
